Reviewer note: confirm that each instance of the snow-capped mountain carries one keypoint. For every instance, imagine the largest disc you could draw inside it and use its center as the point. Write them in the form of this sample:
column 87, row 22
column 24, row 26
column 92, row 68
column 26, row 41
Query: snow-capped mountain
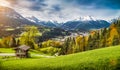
column 82, row 23
column 86, row 18
column 9, row 17
column 43, row 23
column 85, row 24
column 33, row 19
column 114, row 20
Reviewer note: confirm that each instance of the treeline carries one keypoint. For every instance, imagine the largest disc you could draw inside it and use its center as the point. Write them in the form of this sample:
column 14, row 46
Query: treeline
column 97, row 39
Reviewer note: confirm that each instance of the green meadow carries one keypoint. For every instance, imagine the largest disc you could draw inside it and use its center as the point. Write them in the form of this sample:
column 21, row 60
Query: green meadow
column 99, row 59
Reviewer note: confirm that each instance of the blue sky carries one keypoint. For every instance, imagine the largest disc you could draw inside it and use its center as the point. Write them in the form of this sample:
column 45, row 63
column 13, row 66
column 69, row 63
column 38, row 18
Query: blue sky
column 65, row 10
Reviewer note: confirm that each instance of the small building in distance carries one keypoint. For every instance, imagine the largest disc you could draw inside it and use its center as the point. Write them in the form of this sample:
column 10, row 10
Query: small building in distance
column 22, row 51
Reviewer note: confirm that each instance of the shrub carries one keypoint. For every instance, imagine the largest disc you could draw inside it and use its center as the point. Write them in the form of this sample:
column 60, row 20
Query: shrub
column 50, row 50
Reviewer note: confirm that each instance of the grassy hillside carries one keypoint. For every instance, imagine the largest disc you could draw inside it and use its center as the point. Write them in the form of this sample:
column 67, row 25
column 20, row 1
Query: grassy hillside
column 100, row 59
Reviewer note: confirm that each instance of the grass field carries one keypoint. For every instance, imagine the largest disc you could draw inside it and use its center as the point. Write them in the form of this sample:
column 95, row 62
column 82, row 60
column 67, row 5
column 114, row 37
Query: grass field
column 100, row 59
column 6, row 50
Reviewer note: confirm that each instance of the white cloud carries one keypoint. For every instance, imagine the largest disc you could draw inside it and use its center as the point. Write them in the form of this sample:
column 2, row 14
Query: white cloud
column 68, row 11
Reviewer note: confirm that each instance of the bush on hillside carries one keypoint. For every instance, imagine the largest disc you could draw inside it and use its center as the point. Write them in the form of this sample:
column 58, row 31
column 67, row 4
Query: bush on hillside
column 50, row 50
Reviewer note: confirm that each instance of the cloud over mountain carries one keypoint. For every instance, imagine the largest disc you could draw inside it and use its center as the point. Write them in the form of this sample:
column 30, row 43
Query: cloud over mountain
column 64, row 10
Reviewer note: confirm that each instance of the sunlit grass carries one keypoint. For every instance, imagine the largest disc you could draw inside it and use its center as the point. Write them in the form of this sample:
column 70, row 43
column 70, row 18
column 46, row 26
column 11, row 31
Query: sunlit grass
column 100, row 59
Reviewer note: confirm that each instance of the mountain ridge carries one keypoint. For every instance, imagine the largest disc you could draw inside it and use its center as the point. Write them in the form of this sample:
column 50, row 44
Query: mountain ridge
column 83, row 23
column 9, row 17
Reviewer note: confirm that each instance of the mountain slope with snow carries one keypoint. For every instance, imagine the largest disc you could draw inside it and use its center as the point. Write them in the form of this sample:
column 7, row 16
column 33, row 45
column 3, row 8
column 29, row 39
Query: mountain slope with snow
column 85, row 18
column 85, row 24
column 82, row 23
column 43, row 23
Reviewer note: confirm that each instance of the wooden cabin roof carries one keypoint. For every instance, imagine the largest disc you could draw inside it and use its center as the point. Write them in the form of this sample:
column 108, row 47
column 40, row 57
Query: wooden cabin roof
column 23, row 47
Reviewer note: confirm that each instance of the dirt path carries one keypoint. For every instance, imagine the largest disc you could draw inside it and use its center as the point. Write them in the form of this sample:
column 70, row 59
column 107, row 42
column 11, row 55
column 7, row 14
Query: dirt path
column 46, row 56
column 13, row 54
column 7, row 54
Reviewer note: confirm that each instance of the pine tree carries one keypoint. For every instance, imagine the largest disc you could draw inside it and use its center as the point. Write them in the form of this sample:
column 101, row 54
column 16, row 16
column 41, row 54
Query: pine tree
column 90, row 43
column 115, row 40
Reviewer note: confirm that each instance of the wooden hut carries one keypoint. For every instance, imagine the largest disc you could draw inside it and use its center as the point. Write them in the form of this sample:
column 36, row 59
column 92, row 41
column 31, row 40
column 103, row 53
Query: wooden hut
column 22, row 51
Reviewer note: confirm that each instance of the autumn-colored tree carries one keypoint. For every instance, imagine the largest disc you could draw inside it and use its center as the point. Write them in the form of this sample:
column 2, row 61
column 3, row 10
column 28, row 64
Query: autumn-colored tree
column 8, row 42
column 29, row 36
column 52, row 43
